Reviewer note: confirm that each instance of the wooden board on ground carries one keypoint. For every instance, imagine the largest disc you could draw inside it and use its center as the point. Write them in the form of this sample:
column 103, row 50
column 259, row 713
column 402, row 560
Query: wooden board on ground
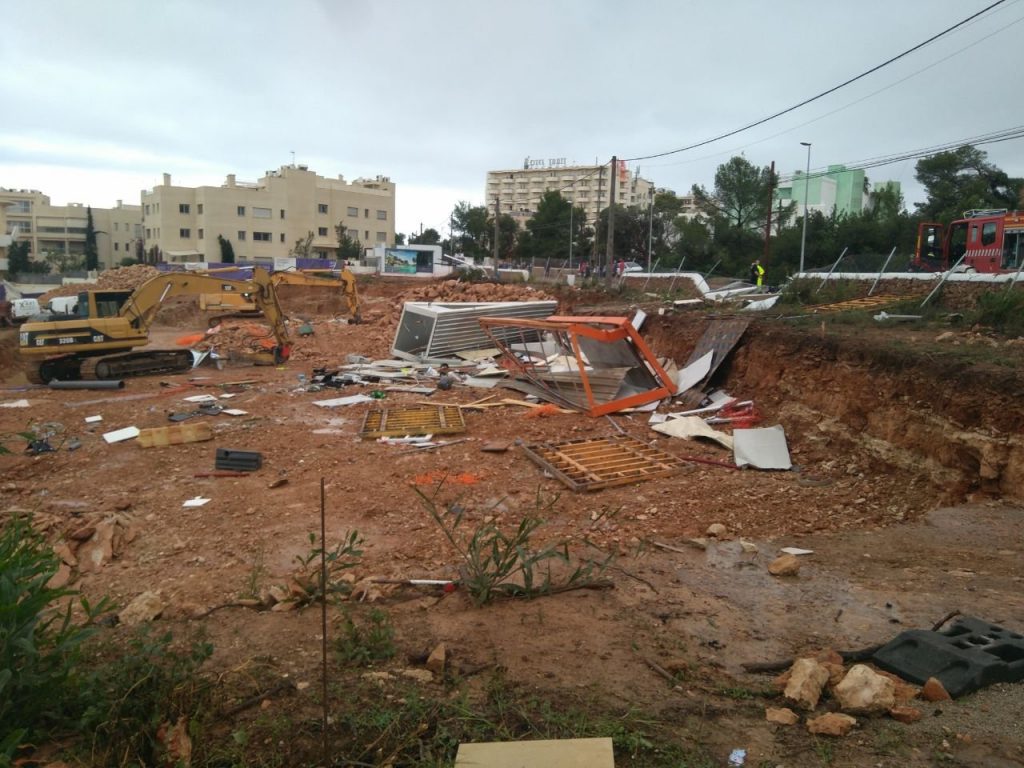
column 196, row 432
column 563, row 753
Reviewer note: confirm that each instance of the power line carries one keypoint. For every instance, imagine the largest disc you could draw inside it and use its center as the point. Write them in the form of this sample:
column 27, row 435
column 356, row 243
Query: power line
column 993, row 137
column 845, row 106
column 833, row 89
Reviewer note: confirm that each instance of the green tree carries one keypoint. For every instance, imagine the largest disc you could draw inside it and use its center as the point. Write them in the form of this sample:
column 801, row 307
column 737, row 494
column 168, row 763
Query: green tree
column 508, row 234
column 429, row 236
column 741, row 195
column 960, row 180
column 399, row 238
column 18, row 261
column 349, row 247
column 92, row 256
column 61, row 262
column 548, row 232
column 630, row 234
column 737, row 210
column 227, row 250
column 471, row 230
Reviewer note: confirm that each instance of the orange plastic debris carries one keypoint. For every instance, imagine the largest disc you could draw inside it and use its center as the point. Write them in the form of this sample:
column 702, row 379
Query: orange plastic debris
column 437, row 476
column 541, row 411
column 188, row 341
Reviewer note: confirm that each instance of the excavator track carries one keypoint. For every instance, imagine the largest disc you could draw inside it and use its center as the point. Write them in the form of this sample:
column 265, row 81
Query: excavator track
column 64, row 368
column 135, row 364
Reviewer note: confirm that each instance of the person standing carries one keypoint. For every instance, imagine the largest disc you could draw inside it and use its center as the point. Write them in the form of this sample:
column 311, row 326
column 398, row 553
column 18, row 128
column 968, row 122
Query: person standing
column 757, row 275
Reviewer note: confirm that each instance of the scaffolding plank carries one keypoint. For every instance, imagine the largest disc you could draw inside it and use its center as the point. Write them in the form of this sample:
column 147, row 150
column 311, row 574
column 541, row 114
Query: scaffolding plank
column 413, row 420
column 589, row 464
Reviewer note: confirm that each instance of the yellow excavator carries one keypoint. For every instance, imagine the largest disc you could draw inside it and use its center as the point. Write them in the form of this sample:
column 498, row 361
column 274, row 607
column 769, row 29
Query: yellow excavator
column 97, row 342
column 240, row 305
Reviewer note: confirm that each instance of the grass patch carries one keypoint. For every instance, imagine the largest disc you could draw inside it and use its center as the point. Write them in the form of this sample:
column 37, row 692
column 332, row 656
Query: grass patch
column 365, row 639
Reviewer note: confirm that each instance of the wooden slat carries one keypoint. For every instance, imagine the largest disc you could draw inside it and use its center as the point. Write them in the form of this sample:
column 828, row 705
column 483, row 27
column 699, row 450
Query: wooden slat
column 413, row 420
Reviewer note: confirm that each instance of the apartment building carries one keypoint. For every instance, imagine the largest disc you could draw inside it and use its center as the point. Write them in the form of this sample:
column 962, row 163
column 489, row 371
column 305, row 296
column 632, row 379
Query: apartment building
column 27, row 215
column 838, row 189
column 587, row 186
column 264, row 219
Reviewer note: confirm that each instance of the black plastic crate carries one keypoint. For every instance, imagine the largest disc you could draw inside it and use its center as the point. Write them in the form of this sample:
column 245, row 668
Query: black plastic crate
column 241, row 461
column 968, row 655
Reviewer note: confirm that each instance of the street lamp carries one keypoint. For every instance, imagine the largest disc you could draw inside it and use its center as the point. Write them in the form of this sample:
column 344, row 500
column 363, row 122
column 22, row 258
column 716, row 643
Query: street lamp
column 807, row 184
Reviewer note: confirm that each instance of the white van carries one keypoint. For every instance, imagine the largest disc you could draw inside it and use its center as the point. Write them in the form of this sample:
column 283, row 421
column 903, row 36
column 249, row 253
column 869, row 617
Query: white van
column 23, row 309
column 63, row 305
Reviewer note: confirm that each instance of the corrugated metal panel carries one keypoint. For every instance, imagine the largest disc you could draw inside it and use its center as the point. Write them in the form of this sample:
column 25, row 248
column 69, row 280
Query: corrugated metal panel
column 434, row 330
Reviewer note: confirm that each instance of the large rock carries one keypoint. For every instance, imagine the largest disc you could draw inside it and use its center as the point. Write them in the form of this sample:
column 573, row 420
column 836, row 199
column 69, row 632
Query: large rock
column 784, row 565
column 832, row 724
column 807, row 678
column 61, row 578
column 781, row 715
column 143, row 608
column 865, row 692
column 717, row 530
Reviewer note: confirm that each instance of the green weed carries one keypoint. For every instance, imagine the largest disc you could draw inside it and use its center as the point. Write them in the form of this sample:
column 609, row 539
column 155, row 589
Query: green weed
column 497, row 564
column 366, row 641
column 39, row 643
column 344, row 556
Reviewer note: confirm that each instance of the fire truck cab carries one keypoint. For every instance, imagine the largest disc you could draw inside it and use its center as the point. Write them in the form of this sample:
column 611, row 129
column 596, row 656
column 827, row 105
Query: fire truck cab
column 988, row 240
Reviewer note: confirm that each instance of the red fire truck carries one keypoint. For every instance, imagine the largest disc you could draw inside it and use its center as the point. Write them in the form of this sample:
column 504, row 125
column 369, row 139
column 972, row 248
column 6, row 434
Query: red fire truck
column 989, row 241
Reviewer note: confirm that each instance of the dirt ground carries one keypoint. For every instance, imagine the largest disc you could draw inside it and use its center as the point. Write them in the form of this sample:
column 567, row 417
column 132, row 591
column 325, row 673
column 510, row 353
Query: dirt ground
column 908, row 492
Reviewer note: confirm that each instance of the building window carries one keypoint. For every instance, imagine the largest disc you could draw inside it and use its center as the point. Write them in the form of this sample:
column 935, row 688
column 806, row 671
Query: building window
column 282, row 213
column 199, row 234
column 199, row 208
column 382, row 215
column 353, row 211
column 184, row 208
column 115, row 226
column 117, row 246
column 241, row 210
column 282, row 237
column 366, row 213
column 321, row 208
column 382, row 237
column 366, row 236
column 322, row 231
column 263, row 237
column 149, row 233
column 147, row 210
column 261, row 213
column 241, row 235
column 184, row 234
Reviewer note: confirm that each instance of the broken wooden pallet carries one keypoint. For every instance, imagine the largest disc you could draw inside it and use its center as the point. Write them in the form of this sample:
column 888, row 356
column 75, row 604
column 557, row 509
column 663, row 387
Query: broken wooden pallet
column 592, row 463
column 413, row 420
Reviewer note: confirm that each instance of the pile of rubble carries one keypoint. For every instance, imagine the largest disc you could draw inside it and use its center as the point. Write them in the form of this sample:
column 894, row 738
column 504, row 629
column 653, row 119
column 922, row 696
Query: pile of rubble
column 120, row 279
column 860, row 690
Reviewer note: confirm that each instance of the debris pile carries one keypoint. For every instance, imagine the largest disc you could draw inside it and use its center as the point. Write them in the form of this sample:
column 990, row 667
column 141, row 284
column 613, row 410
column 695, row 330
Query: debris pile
column 120, row 279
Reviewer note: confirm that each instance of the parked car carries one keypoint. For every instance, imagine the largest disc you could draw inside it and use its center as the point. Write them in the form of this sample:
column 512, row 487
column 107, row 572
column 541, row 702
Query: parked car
column 632, row 266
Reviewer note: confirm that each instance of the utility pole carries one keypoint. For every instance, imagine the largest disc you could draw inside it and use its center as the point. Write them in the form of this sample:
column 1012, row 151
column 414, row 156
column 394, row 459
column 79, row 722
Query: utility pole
column 610, row 239
column 768, row 224
column 497, row 214
column 650, row 228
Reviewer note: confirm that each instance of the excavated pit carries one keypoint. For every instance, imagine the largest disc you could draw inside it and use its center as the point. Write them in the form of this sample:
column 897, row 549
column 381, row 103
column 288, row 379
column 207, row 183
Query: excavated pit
column 908, row 404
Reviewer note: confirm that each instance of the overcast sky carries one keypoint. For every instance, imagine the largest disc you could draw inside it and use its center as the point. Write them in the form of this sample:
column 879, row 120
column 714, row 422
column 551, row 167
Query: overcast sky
column 100, row 98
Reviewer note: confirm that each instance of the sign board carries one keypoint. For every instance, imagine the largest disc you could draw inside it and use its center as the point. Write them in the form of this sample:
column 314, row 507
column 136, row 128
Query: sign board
column 400, row 261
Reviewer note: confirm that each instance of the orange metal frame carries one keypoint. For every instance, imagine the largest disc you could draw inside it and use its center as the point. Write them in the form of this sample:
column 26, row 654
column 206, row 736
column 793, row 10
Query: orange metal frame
column 619, row 328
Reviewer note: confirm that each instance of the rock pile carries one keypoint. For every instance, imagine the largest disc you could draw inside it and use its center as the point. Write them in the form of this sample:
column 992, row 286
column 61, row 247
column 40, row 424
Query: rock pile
column 861, row 690
column 120, row 279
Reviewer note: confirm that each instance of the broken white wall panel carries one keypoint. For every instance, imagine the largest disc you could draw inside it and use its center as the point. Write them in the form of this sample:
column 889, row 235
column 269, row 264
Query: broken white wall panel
column 694, row 373
column 431, row 330
column 762, row 448
column 565, row 753
column 119, row 435
column 690, row 427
